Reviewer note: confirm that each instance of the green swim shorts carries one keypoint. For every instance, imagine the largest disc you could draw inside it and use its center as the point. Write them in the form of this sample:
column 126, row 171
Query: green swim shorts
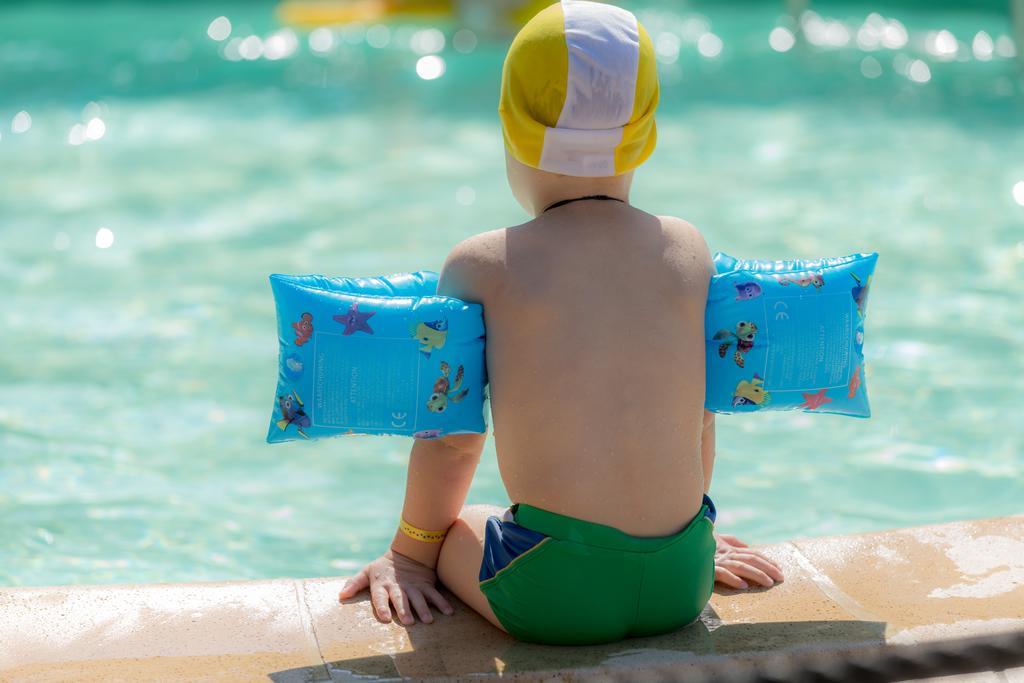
column 562, row 581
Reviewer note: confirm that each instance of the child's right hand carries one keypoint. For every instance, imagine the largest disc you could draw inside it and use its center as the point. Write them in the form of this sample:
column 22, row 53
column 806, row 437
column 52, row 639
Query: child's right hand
column 736, row 564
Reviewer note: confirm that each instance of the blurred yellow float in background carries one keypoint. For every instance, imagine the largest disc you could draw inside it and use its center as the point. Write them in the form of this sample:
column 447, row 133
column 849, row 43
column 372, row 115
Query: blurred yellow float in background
column 315, row 13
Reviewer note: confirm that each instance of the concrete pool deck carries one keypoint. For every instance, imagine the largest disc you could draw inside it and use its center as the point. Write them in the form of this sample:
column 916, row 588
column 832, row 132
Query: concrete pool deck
column 901, row 587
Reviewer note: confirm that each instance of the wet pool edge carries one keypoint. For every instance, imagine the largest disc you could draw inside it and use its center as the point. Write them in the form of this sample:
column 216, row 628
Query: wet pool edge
column 900, row 587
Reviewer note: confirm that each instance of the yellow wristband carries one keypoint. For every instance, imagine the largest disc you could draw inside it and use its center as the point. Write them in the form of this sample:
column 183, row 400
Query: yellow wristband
column 422, row 534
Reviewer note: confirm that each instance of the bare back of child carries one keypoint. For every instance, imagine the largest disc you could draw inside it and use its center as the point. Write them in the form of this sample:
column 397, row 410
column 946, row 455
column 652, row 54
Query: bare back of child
column 594, row 312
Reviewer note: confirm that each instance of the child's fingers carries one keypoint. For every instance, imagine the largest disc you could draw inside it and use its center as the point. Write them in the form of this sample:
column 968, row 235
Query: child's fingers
column 438, row 599
column 763, row 563
column 379, row 597
column 723, row 575
column 733, row 541
column 354, row 585
column 741, row 568
column 401, row 606
column 419, row 604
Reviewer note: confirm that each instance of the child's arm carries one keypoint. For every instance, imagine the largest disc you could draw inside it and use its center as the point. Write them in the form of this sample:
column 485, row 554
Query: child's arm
column 735, row 563
column 439, row 475
column 707, row 448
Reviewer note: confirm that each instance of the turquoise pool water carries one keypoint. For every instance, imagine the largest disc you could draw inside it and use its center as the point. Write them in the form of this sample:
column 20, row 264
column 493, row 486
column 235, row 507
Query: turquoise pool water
column 136, row 379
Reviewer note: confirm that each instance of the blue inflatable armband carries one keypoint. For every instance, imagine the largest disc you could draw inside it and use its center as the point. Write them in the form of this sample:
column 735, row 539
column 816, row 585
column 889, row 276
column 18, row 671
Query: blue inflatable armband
column 376, row 356
column 788, row 335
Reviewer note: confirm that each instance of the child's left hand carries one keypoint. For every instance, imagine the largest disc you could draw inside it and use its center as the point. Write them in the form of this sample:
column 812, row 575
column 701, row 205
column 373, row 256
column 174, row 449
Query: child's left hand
column 394, row 579
column 736, row 563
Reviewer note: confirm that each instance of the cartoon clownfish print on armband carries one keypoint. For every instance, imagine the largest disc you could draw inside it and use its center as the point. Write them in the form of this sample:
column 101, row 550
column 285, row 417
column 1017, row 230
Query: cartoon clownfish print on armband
column 303, row 328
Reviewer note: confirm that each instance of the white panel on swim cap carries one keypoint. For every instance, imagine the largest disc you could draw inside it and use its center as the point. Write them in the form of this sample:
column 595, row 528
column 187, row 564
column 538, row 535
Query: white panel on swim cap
column 588, row 153
column 604, row 56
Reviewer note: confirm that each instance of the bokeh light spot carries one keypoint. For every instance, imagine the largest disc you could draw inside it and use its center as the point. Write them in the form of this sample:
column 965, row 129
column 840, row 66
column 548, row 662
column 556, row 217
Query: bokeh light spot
column 378, row 36
column 251, row 48
column 781, row 39
column 280, row 44
column 1018, row 192
column 76, row 135
column 464, row 41
column 95, row 129
column 219, row 29
column 21, row 122
column 430, row 67
column 231, row 50
column 427, row 41
column 982, row 46
column 1005, row 48
column 870, row 68
column 709, row 45
column 667, row 47
column 321, row 40
column 941, row 44
column 894, row 35
column 104, row 238
column 919, row 72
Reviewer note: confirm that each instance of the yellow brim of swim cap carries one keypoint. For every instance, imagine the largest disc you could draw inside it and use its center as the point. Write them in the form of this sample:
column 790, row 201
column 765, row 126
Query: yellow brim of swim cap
column 578, row 91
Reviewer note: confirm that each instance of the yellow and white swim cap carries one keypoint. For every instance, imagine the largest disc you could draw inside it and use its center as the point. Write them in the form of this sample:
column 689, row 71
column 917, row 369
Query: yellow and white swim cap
column 578, row 91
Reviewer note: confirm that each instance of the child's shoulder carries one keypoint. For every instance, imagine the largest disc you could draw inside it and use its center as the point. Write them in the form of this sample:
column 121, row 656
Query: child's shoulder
column 689, row 243
column 681, row 229
column 473, row 266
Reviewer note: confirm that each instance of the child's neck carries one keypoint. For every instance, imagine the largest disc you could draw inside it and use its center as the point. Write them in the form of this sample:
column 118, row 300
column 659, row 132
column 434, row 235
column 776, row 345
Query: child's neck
column 562, row 188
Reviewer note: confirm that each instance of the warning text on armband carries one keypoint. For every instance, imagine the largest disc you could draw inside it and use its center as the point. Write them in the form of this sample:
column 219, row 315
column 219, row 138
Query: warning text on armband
column 811, row 344
column 358, row 380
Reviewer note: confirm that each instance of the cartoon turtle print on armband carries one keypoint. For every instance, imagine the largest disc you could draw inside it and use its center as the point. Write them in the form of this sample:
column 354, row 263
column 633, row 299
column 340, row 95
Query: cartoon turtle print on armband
column 743, row 337
column 445, row 391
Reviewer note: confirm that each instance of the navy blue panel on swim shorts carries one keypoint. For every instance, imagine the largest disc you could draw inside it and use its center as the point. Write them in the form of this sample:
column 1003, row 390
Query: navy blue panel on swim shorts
column 711, row 512
column 504, row 542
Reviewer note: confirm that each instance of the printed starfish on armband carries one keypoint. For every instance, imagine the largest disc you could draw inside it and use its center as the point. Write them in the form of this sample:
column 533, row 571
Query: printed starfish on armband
column 815, row 400
column 355, row 320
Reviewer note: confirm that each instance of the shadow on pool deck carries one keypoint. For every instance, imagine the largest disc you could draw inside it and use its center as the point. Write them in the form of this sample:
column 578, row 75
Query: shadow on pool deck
column 500, row 654
column 904, row 586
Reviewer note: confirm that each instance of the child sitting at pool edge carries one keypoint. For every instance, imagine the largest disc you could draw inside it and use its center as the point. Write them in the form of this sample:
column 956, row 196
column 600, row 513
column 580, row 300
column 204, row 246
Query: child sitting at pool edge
column 595, row 356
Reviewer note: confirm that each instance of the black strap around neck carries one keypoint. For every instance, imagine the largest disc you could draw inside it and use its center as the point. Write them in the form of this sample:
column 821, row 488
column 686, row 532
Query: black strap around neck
column 580, row 199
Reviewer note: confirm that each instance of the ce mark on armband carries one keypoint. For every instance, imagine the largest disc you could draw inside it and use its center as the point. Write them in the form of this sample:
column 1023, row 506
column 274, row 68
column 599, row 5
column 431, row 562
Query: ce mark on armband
column 781, row 314
column 398, row 420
